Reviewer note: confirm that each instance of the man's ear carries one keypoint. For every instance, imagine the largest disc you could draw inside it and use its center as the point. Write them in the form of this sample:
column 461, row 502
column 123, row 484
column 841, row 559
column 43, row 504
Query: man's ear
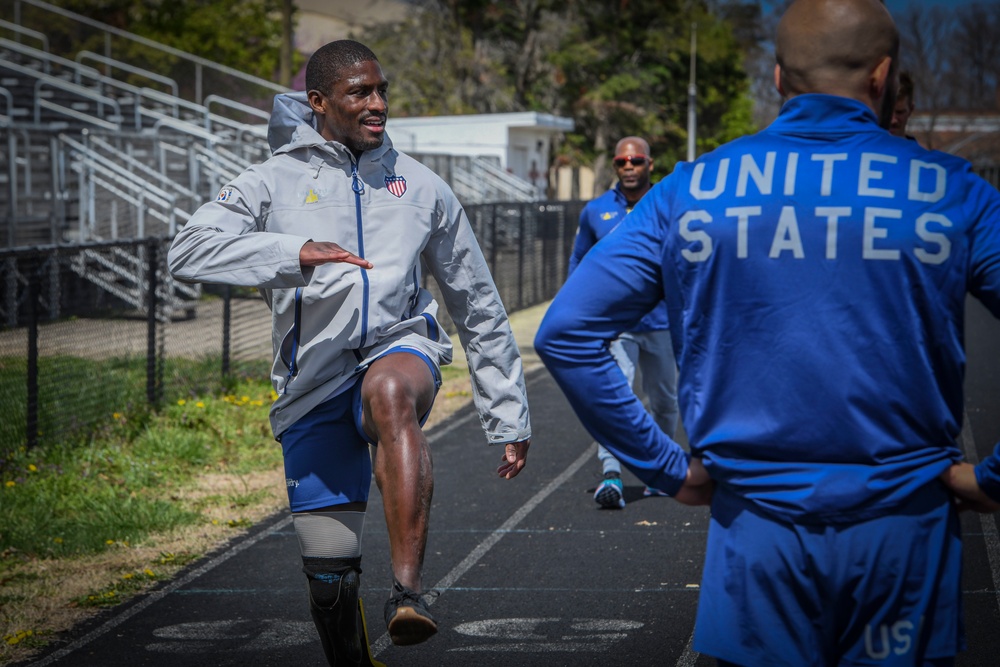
column 777, row 80
column 317, row 101
column 879, row 81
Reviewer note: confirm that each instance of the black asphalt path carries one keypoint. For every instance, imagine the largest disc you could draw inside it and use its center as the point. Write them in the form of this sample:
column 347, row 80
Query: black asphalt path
column 531, row 572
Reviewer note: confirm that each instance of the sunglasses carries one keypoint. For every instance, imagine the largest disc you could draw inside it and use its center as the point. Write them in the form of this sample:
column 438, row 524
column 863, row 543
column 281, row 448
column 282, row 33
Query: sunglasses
column 636, row 160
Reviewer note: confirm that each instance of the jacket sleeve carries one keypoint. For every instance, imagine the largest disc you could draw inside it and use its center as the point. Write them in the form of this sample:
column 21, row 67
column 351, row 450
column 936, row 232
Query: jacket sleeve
column 985, row 236
column 988, row 474
column 585, row 240
column 454, row 258
column 617, row 283
column 224, row 242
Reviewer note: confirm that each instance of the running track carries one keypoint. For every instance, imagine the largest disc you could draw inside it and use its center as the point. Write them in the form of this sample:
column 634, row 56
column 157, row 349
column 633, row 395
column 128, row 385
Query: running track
column 531, row 572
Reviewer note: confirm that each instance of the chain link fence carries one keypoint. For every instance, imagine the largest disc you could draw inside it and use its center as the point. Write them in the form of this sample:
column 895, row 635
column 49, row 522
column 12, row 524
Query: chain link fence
column 82, row 342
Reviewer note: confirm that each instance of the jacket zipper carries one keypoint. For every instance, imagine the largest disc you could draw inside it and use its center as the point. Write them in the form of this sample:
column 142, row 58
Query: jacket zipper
column 359, row 189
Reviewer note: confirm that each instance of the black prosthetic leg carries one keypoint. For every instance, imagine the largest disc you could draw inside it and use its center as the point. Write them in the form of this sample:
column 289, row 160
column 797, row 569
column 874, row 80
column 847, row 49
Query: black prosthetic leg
column 337, row 612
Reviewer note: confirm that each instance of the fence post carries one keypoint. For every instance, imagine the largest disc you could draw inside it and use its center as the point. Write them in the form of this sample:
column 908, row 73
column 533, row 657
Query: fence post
column 522, row 237
column 31, row 421
column 227, row 318
column 492, row 208
column 152, row 257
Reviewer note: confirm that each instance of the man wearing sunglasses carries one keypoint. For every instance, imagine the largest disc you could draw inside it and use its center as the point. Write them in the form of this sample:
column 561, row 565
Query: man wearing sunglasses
column 648, row 346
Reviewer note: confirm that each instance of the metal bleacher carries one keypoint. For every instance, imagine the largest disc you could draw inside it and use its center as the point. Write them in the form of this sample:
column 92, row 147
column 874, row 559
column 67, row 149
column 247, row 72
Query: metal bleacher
column 94, row 149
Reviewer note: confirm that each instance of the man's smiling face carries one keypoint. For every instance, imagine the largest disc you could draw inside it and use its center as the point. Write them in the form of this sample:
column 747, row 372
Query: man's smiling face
column 355, row 110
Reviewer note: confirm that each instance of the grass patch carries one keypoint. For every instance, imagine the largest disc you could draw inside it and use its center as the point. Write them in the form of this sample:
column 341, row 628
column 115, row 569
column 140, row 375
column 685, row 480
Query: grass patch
column 68, row 500
column 83, row 523
column 84, row 518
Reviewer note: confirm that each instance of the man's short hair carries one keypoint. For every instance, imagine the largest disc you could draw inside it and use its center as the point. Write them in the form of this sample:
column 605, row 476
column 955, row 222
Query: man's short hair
column 327, row 63
column 905, row 88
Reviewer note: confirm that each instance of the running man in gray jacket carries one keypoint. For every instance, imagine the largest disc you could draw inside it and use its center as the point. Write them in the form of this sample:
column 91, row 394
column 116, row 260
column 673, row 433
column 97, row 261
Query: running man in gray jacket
column 332, row 230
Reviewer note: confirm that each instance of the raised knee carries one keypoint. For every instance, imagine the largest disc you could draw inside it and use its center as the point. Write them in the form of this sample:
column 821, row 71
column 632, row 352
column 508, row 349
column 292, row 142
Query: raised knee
column 391, row 396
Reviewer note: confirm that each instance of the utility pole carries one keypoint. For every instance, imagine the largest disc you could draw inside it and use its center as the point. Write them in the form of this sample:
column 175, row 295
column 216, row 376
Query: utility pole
column 287, row 38
column 692, row 94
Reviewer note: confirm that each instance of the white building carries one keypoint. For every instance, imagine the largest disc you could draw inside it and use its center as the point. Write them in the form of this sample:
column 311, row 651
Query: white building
column 484, row 157
column 519, row 144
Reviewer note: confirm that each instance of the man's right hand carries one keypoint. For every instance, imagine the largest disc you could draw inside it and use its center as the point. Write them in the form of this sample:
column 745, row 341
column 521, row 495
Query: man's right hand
column 961, row 479
column 314, row 253
column 698, row 486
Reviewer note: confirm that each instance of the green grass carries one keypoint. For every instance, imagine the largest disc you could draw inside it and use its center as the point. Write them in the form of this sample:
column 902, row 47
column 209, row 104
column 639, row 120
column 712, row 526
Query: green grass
column 77, row 498
column 112, row 483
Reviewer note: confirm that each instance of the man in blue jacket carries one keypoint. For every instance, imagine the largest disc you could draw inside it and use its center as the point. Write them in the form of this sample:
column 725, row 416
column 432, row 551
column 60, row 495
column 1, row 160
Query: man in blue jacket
column 648, row 345
column 816, row 273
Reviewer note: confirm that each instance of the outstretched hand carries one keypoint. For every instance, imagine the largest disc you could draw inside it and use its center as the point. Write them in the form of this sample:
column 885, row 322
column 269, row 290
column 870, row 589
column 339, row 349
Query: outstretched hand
column 314, row 253
column 515, row 455
column 698, row 486
column 961, row 479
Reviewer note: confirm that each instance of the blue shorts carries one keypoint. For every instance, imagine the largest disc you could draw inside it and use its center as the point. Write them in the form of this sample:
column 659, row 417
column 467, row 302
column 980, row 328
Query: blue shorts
column 326, row 455
column 886, row 591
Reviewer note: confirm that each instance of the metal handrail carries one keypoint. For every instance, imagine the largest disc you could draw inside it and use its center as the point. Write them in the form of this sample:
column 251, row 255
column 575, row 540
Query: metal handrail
column 118, row 170
column 143, row 167
column 201, row 109
column 164, row 120
column 125, row 67
column 45, row 57
column 47, row 79
column 220, row 160
column 504, row 181
column 232, row 104
column 9, row 116
column 80, row 71
column 236, row 161
column 28, row 32
column 183, row 55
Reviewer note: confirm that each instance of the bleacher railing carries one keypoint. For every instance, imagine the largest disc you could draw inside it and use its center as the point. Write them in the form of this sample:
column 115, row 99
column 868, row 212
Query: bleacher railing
column 205, row 74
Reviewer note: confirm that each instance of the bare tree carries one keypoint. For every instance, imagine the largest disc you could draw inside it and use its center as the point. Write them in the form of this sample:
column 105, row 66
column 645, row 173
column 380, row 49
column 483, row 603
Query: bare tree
column 974, row 51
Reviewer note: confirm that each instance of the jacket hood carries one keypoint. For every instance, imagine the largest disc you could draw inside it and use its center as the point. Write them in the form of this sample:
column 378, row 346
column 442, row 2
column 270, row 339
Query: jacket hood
column 293, row 125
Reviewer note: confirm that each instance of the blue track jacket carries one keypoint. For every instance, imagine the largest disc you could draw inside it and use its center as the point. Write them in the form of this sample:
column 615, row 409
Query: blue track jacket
column 816, row 275
column 600, row 217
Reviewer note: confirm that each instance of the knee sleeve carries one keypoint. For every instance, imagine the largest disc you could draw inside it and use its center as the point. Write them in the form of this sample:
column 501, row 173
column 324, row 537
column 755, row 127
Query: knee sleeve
column 329, row 534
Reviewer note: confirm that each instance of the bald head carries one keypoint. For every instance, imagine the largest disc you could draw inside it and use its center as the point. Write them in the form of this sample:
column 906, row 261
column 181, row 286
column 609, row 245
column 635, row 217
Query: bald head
column 632, row 145
column 834, row 47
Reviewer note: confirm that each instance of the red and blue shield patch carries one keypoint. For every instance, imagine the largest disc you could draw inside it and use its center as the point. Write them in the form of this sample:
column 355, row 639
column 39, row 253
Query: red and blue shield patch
column 396, row 185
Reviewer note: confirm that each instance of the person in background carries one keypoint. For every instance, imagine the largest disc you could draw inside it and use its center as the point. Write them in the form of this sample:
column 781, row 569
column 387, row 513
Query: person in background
column 648, row 345
column 816, row 273
column 332, row 230
column 903, row 109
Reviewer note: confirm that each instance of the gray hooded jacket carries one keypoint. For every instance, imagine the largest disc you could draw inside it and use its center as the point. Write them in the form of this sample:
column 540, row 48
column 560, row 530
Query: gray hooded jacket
column 331, row 321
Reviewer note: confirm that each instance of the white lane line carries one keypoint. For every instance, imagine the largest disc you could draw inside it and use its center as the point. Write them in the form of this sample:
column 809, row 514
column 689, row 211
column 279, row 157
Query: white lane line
column 689, row 657
column 483, row 547
column 990, row 534
column 160, row 593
